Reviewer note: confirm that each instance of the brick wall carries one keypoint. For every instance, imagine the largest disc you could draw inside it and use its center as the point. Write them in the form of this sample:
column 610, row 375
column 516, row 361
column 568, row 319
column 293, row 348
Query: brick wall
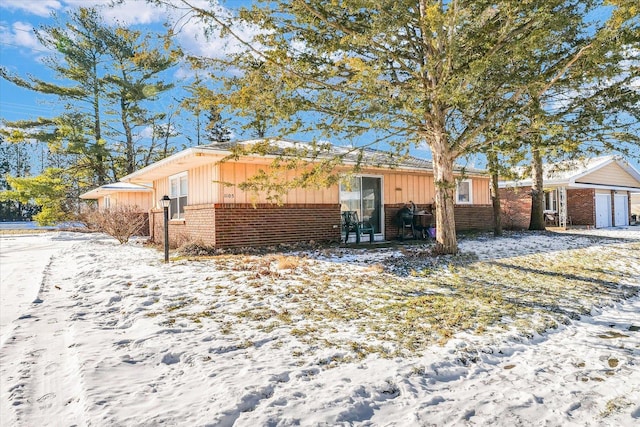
column 266, row 224
column 177, row 229
column 390, row 228
column 200, row 220
column 581, row 206
column 473, row 217
column 516, row 207
column 144, row 228
column 238, row 225
column 468, row 217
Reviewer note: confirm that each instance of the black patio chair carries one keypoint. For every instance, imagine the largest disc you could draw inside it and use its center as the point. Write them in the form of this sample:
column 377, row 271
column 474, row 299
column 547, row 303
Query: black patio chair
column 351, row 223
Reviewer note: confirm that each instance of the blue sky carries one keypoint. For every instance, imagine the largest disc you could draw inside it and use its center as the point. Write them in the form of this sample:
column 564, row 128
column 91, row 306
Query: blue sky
column 21, row 53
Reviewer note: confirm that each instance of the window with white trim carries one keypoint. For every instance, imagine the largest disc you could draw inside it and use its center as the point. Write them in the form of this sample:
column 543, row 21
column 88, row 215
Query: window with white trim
column 551, row 201
column 463, row 192
column 178, row 195
column 107, row 201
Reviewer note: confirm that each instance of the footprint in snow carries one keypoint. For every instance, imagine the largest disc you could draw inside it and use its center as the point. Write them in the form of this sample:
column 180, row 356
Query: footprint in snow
column 280, row 378
column 171, row 358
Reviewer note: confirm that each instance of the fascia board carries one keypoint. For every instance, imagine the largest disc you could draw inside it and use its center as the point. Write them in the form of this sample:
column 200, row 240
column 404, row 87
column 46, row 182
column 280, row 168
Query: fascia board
column 604, row 187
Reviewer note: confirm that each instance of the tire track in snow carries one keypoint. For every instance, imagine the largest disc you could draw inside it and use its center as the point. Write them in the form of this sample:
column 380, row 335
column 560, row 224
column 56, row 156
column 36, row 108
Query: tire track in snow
column 40, row 364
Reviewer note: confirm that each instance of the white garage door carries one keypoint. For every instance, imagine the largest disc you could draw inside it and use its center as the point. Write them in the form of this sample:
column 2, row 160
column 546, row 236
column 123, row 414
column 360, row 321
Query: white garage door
column 620, row 207
column 603, row 210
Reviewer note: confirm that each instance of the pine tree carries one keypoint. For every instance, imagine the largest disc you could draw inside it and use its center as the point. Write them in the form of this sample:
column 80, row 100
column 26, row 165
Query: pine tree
column 406, row 72
column 107, row 78
column 216, row 129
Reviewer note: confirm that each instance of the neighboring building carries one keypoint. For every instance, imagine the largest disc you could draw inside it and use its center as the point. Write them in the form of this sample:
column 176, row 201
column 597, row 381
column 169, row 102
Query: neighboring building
column 635, row 208
column 595, row 193
column 120, row 194
column 208, row 206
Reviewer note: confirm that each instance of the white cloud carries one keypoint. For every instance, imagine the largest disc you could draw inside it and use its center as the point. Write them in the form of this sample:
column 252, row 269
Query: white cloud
column 24, row 36
column 133, row 13
column 20, row 35
column 200, row 36
column 147, row 132
column 39, row 7
column 191, row 32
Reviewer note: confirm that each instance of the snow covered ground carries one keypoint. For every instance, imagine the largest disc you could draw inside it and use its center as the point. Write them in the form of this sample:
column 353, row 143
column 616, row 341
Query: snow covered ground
column 95, row 333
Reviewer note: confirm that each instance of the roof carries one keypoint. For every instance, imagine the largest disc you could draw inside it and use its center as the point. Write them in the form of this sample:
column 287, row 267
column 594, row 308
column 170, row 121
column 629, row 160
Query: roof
column 571, row 174
column 265, row 150
column 116, row 187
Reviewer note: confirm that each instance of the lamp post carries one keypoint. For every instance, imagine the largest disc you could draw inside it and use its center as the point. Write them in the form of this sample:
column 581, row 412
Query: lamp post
column 165, row 202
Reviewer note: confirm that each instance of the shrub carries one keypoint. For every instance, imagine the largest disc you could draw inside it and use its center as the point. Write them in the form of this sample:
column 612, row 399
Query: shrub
column 121, row 222
column 197, row 249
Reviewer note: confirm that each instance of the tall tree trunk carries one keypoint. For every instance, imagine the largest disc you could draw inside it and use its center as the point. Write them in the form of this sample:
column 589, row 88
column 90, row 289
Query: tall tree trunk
column 129, row 150
column 537, row 192
column 446, row 240
column 100, row 170
column 492, row 159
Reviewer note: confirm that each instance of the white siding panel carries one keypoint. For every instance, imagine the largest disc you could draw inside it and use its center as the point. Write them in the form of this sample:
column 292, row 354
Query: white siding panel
column 612, row 174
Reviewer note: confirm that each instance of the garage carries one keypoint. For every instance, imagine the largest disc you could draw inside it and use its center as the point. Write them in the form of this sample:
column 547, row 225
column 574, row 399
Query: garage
column 621, row 210
column 603, row 210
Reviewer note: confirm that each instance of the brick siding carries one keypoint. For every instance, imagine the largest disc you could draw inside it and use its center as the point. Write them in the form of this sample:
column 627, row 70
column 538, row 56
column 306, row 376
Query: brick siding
column 467, row 217
column 516, row 207
column 144, row 228
column 473, row 217
column 581, row 206
column 240, row 225
column 266, row 224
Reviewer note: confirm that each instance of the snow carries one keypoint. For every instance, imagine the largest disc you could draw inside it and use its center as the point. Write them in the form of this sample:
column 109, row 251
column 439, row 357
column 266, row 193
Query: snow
column 88, row 338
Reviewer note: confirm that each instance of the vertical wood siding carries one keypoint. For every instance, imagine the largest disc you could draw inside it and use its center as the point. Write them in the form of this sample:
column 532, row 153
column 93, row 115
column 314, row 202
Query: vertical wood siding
column 240, row 172
column 162, row 188
column 142, row 200
column 481, row 191
column 398, row 187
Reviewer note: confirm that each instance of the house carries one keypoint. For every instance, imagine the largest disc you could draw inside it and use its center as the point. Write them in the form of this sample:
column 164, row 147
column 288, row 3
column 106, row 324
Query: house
column 124, row 194
column 120, row 194
column 595, row 192
column 208, row 206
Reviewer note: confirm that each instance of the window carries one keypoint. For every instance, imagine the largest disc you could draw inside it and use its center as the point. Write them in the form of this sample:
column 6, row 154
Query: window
column 178, row 195
column 550, row 201
column 463, row 192
column 107, row 201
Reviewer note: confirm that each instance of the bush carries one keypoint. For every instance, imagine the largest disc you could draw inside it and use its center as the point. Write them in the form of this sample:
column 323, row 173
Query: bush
column 197, row 249
column 121, row 222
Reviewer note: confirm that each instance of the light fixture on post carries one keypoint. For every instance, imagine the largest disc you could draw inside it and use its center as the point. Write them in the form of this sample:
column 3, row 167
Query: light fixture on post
column 165, row 202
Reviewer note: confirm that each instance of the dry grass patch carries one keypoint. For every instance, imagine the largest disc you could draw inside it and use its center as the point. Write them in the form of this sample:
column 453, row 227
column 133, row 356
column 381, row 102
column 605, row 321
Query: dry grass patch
column 361, row 310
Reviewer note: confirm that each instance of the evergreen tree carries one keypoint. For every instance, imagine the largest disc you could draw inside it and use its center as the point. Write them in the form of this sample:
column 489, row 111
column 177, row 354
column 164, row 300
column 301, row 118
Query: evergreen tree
column 134, row 79
column 216, row 129
column 78, row 38
column 408, row 72
column 110, row 77
column 49, row 191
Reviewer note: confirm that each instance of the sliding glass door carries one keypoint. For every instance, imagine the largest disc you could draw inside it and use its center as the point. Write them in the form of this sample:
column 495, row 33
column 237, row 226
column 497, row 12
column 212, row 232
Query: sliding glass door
column 363, row 194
